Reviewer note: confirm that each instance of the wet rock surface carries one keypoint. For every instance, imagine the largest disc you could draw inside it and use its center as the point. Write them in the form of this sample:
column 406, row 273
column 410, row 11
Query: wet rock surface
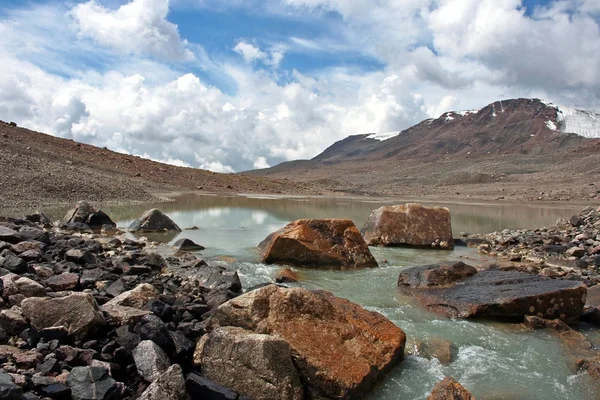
column 325, row 243
column 410, row 225
column 493, row 293
column 450, row 389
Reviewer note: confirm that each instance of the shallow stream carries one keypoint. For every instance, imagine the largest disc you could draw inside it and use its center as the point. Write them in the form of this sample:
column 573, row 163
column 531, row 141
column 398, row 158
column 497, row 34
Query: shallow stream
column 494, row 360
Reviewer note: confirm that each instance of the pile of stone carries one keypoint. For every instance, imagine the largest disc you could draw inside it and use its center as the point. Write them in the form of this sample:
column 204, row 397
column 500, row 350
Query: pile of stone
column 90, row 316
column 570, row 249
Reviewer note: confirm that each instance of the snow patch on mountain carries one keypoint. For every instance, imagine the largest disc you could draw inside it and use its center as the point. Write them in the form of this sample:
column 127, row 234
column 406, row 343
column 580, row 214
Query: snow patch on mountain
column 383, row 136
column 571, row 120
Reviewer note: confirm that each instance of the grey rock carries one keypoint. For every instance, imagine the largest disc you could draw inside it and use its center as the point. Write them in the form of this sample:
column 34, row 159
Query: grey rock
column 169, row 386
column 12, row 321
column 152, row 221
column 216, row 277
column 9, row 235
column 30, row 288
column 89, row 215
column 92, row 383
column 79, row 256
column 14, row 264
column 150, row 360
column 8, row 389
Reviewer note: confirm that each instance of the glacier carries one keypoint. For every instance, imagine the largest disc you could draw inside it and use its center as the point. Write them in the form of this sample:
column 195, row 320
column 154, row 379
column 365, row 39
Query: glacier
column 571, row 120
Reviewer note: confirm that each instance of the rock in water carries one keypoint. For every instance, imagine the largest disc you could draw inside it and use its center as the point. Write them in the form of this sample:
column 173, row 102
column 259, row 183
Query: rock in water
column 262, row 364
column 449, row 389
column 78, row 312
column 154, row 221
column 340, row 349
column 187, row 245
column 411, row 224
column 330, row 243
column 169, row 386
column 457, row 291
column 87, row 214
column 92, row 383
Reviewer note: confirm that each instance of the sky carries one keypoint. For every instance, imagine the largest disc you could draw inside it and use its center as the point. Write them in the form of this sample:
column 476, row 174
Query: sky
column 241, row 84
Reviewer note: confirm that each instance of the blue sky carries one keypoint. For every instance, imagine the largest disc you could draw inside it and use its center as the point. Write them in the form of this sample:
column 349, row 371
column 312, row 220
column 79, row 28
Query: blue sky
column 236, row 85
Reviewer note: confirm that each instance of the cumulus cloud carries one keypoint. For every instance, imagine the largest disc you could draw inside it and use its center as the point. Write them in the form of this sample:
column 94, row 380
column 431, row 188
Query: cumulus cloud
column 433, row 56
column 140, row 26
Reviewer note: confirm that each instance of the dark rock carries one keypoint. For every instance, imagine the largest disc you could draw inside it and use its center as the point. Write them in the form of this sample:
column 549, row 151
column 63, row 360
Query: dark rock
column 30, row 336
column 410, row 224
column 198, row 310
column 49, row 366
column 31, row 255
column 215, row 298
column 89, row 215
column 575, row 252
column 576, row 220
column 57, row 391
column 13, row 321
column 40, row 218
column 92, row 383
column 152, row 221
column 286, row 275
column 325, row 243
column 181, row 348
column 438, row 275
column 201, row 388
column 150, row 360
column 89, row 277
column 54, row 333
column 78, row 256
column 79, row 227
column 127, row 339
column 553, row 248
column 64, row 281
column 449, row 389
column 9, row 235
column 496, row 293
column 78, row 312
column 8, row 389
column 14, row 264
column 155, row 330
column 187, row 245
column 160, row 309
column 169, row 386
column 216, row 277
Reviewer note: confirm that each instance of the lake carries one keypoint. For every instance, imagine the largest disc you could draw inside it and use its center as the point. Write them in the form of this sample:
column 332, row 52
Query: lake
column 494, row 360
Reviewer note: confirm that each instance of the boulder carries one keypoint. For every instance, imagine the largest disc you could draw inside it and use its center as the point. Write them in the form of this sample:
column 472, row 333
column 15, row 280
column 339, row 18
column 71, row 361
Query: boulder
column 153, row 221
column 187, row 245
column 78, row 312
column 328, row 243
column 85, row 213
column 262, row 364
column 409, row 225
column 150, row 360
column 217, row 277
column 449, row 389
column 64, row 281
column 136, row 297
column 455, row 291
column 169, row 386
column 339, row 348
column 92, row 383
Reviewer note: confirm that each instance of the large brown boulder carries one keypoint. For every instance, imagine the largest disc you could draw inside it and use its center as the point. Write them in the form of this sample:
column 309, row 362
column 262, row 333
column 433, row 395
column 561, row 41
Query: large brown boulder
column 262, row 364
column 330, row 243
column 449, row 389
column 78, row 312
column 339, row 349
column 492, row 293
column 409, row 225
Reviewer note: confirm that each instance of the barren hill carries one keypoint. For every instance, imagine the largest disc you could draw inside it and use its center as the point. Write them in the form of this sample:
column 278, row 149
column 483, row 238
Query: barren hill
column 522, row 146
column 38, row 169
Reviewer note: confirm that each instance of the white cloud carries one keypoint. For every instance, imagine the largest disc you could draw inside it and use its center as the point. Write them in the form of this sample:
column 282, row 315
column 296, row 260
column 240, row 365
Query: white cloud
column 251, row 53
column 260, row 163
column 138, row 27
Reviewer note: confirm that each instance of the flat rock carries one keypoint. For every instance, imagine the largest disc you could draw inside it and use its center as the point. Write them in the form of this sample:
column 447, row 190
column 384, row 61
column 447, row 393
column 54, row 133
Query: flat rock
column 92, row 383
column 64, row 281
column 150, row 360
column 78, row 312
column 154, row 221
column 340, row 349
column 122, row 315
column 136, row 297
column 262, row 364
column 169, row 386
column 495, row 293
column 410, row 225
column 449, row 389
column 328, row 243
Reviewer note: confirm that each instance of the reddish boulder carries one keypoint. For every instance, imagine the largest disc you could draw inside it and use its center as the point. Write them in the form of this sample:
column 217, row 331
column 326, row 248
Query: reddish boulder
column 409, row 225
column 330, row 243
column 449, row 389
column 340, row 349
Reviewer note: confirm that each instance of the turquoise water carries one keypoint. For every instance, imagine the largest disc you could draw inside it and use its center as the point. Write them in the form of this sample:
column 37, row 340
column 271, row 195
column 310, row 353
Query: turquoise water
column 494, row 360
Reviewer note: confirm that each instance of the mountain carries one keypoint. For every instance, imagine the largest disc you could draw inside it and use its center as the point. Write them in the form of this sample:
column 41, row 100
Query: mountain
column 42, row 170
column 508, row 138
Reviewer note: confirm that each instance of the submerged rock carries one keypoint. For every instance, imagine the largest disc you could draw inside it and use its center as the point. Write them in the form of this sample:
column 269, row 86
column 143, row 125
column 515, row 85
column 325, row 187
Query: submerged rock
column 410, row 224
column 262, row 364
column 493, row 293
column 340, row 349
column 153, row 221
column 449, row 389
column 330, row 243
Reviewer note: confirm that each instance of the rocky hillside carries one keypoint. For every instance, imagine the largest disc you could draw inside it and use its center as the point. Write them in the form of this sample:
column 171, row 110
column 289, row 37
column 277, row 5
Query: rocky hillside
column 39, row 169
column 524, row 141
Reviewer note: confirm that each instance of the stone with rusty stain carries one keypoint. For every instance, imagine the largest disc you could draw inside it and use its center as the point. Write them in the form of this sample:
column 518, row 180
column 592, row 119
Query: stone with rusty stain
column 409, row 225
column 329, row 243
column 449, row 389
